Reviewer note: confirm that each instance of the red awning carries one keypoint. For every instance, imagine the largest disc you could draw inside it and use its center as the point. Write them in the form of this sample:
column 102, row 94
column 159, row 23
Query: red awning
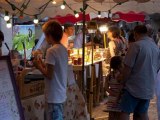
column 129, row 17
column 70, row 18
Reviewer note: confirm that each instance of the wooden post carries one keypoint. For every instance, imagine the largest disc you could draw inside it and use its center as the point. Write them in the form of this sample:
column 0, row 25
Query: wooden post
column 104, row 37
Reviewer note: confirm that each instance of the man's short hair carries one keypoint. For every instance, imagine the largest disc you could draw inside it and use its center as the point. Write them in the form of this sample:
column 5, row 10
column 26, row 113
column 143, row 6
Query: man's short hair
column 54, row 29
column 68, row 24
column 1, row 36
column 140, row 29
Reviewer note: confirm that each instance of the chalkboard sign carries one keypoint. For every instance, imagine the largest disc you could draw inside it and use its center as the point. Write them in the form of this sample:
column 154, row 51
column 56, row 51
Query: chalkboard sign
column 10, row 105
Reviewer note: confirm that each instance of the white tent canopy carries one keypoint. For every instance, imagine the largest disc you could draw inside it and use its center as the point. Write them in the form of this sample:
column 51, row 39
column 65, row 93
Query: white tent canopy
column 152, row 6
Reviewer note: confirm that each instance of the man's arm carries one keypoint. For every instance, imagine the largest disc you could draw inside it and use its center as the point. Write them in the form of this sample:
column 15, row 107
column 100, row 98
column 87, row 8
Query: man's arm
column 46, row 69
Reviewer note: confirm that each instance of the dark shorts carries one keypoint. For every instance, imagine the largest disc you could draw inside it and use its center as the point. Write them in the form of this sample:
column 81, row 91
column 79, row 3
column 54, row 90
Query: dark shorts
column 130, row 104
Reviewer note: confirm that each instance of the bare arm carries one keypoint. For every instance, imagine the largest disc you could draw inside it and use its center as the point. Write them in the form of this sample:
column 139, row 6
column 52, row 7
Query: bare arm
column 46, row 69
column 112, row 47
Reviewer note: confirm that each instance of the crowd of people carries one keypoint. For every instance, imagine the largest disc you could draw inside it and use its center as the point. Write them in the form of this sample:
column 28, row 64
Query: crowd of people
column 131, row 86
column 134, row 65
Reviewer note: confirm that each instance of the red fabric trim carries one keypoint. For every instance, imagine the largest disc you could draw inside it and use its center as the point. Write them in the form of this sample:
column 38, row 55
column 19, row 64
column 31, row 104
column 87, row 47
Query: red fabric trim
column 70, row 18
column 130, row 16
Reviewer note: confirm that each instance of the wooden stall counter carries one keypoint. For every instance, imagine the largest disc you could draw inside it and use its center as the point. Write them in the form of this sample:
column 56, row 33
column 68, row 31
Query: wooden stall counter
column 31, row 90
column 30, row 83
column 33, row 102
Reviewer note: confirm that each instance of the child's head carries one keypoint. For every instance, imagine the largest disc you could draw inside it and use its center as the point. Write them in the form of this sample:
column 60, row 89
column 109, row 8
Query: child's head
column 53, row 31
column 116, row 63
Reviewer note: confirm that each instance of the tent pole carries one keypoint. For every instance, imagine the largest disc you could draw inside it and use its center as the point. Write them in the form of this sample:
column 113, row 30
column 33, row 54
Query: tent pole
column 83, row 45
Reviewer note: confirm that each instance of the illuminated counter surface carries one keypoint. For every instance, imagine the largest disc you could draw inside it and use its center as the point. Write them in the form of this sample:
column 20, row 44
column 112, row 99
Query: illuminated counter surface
column 79, row 67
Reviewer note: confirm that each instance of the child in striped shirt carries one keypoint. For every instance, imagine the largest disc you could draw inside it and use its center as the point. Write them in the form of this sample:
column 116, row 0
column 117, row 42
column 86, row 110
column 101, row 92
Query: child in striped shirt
column 114, row 87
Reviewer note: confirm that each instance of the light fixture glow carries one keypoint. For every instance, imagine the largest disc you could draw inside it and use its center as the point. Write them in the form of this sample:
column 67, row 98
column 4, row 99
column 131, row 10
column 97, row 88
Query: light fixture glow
column 99, row 14
column 36, row 21
column 6, row 17
column 103, row 28
column 8, row 25
column 76, row 14
column 63, row 5
column 54, row 2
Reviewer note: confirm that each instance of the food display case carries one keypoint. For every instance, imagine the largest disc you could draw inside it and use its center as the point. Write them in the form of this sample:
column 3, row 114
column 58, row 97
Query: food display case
column 75, row 56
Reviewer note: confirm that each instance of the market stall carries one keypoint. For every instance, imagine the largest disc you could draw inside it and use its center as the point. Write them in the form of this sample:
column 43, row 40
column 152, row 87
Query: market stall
column 31, row 83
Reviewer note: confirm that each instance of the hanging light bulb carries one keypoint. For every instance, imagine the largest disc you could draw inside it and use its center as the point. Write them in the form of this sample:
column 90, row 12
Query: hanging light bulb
column 36, row 21
column 76, row 14
column 6, row 17
column 9, row 25
column 99, row 14
column 54, row 2
column 63, row 5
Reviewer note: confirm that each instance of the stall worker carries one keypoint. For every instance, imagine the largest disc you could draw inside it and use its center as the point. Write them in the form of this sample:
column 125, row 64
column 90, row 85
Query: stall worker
column 1, row 41
column 68, row 31
column 116, row 45
column 55, row 71
column 98, row 38
column 78, row 42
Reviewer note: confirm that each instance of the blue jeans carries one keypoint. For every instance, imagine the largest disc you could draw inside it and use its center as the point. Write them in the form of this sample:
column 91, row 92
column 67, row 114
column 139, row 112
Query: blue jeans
column 54, row 111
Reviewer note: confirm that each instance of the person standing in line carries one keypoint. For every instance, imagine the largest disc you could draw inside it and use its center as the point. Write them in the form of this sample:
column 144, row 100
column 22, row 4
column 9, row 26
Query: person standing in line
column 1, row 41
column 140, row 70
column 114, row 88
column 55, row 71
column 68, row 31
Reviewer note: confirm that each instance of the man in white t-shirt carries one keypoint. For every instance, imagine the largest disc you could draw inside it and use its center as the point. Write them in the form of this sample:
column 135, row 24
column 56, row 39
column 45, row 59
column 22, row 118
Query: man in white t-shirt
column 55, row 70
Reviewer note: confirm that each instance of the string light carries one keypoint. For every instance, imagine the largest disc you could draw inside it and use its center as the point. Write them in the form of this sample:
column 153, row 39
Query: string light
column 63, row 5
column 36, row 21
column 99, row 14
column 44, row 6
column 6, row 17
column 9, row 25
column 54, row 2
column 76, row 14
